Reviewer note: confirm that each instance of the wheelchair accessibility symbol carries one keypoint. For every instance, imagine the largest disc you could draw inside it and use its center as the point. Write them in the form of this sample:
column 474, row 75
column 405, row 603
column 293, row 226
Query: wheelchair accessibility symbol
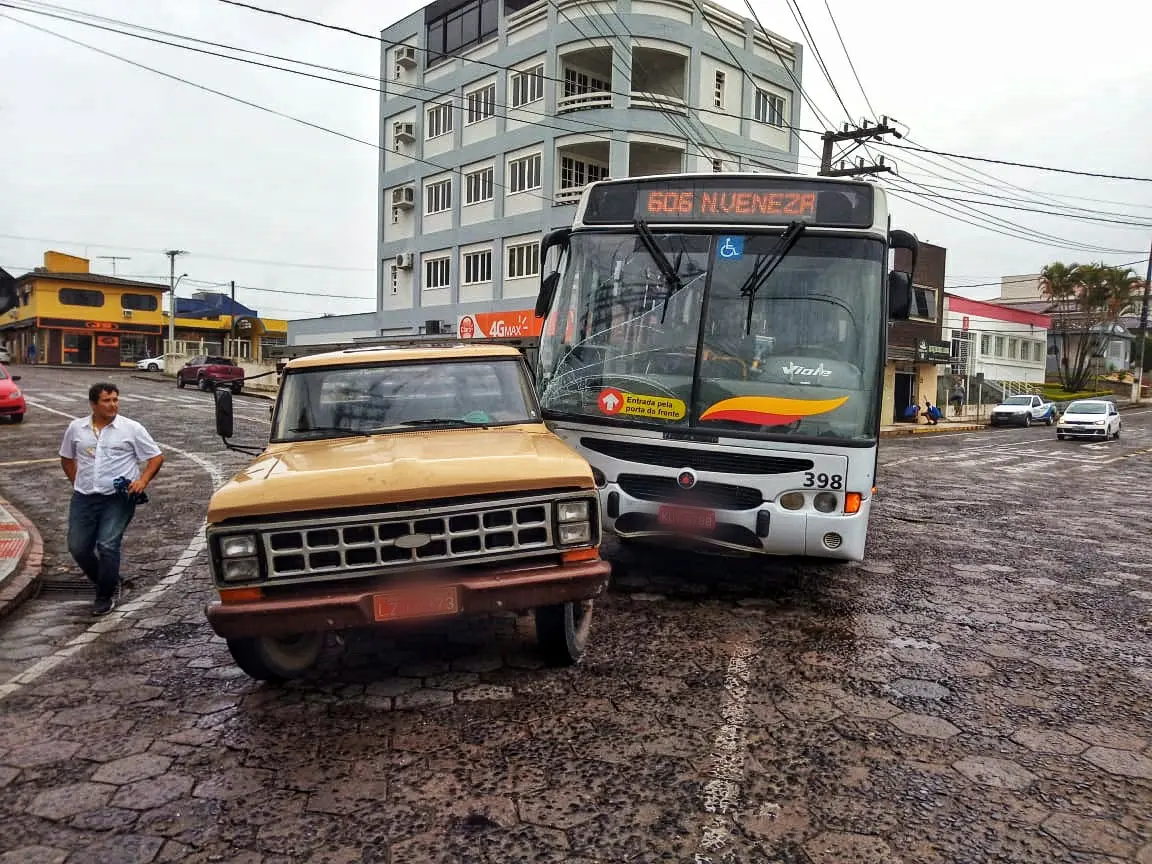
column 731, row 248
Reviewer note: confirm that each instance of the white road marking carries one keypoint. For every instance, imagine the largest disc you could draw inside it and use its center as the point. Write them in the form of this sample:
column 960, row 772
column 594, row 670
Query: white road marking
column 60, row 397
column 722, row 793
column 195, row 546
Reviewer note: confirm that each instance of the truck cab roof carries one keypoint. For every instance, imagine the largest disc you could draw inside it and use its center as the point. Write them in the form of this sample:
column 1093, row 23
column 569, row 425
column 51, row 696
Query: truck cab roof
column 406, row 354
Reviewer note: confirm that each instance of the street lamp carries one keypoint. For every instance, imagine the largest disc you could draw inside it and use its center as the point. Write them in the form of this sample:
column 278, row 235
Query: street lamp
column 172, row 315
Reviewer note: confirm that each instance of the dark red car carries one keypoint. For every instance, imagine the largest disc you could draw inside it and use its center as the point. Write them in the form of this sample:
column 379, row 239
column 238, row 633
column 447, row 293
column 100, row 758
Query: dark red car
column 11, row 399
column 208, row 373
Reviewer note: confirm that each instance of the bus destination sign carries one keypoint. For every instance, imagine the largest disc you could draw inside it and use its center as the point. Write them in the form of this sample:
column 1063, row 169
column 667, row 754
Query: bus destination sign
column 762, row 199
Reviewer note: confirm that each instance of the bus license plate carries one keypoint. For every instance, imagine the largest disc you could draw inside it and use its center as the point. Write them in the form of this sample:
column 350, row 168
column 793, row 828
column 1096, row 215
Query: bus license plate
column 687, row 518
column 416, row 603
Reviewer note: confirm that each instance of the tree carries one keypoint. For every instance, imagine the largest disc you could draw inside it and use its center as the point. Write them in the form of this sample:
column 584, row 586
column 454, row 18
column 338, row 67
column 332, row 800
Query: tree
column 1087, row 302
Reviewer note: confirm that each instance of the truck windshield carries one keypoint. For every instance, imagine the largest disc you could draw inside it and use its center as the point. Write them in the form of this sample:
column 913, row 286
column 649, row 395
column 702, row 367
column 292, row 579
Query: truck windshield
column 793, row 354
column 339, row 401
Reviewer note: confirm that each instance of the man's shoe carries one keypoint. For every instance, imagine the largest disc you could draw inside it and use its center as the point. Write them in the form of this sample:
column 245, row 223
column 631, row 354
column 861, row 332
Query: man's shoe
column 103, row 605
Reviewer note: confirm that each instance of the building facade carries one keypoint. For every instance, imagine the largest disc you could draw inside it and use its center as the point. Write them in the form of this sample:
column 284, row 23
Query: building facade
column 75, row 317
column 496, row 113
column 916, row 351
column 997, row 342
column 210, row 322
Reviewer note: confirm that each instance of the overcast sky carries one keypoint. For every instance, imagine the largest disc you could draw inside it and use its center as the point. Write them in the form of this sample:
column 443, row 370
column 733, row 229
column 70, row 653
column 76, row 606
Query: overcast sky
column 101, row 158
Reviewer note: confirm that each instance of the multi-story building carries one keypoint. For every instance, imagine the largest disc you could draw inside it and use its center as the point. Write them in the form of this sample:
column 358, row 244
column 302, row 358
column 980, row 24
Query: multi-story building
column 995, row 342
column 495, row 114
column 916, row 353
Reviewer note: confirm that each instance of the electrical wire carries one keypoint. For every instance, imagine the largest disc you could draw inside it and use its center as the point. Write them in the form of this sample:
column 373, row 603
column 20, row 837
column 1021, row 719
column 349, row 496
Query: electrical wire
column 1030, row 165
column 802, row 23
column 851, row 65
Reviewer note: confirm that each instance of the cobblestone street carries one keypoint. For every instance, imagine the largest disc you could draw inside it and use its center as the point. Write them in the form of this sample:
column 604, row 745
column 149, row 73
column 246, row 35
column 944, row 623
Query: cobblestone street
column 976, row 691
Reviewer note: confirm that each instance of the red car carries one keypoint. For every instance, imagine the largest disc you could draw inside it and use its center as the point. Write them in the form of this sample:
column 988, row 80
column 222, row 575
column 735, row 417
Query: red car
column 208, row 373
column 11, row 399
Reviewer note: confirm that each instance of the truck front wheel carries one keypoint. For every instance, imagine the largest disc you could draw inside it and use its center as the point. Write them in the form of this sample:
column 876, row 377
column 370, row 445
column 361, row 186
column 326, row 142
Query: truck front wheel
column 277, row 658
column 562, row 631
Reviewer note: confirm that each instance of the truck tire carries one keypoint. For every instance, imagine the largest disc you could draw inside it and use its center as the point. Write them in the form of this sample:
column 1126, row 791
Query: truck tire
column 204, row 384
column 1027, row 421
column 179, row 381
column 277, row 658
column 562, row 631
column 237, row 389
column 1048, row 419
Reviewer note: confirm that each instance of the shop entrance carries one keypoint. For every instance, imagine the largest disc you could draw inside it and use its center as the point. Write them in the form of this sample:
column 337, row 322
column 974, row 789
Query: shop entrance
column 904, row 393
column 77, row 349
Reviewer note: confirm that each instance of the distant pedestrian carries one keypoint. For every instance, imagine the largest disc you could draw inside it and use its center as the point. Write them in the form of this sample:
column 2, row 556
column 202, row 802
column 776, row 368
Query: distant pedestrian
column 912, row 413
column 957, row 398
column 30, row 354
column 96, row 452
column 931, row 413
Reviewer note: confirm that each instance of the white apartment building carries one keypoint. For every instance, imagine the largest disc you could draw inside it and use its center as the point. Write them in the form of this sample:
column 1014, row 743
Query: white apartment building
column 1000, row 342
column 495, row 115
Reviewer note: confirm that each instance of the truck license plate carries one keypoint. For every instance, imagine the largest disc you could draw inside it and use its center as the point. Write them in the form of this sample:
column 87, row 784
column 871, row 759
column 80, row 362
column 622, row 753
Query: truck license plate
column 687, row 518
column 416, row 603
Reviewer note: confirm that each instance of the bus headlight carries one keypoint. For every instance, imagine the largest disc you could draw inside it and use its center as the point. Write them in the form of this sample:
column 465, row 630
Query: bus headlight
column 792, row 500
column 825, row 502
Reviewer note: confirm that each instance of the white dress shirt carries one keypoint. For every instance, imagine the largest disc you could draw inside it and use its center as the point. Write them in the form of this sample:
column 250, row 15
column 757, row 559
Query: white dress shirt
column 116, row 451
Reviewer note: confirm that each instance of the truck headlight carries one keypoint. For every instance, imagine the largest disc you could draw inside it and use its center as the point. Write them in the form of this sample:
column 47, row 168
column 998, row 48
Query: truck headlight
column 238, row 546
column 241, row 570
column 575, row 532
column 572, row 511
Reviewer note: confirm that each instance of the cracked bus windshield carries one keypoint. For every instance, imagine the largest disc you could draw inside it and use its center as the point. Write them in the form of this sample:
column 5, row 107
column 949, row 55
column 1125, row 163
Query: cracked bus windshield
column 328, row 402
column 719, row 348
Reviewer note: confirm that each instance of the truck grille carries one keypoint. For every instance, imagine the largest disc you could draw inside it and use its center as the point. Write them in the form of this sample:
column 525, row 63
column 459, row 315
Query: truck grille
column 365, row 543
column 720, row 496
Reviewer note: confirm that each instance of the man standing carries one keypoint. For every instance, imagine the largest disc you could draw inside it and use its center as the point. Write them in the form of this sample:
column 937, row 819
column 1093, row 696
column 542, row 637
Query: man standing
column 95, row 453
column 957, row 398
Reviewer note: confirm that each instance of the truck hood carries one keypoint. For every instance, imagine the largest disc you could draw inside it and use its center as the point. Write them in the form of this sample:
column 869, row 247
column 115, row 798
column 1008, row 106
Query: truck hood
column 399, row 467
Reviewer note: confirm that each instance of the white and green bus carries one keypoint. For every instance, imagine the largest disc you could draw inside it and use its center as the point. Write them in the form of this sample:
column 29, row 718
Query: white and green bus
column 714, row 346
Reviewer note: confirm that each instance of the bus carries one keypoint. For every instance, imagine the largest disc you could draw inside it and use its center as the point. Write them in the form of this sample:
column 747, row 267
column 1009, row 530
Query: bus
column 714, row 346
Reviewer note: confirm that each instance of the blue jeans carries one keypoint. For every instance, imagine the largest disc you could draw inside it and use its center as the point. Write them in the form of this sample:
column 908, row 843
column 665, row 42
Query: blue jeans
column 96, row 525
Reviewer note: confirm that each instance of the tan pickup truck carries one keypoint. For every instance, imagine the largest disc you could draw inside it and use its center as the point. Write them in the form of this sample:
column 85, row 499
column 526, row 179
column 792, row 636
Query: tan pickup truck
column 401, row 484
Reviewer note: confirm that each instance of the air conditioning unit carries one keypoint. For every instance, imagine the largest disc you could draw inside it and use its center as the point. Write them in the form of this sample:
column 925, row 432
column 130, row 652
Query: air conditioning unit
column 432, row 327
column 406, row 56
column 404, row 197
column 404, row 132
column 127, row 313
column 404, row 261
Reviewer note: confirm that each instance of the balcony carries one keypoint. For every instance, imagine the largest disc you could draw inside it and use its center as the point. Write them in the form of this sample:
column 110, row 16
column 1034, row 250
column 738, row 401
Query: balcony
column 645, row 160
column 577, row 165
column 659, row 80
column 586, row 80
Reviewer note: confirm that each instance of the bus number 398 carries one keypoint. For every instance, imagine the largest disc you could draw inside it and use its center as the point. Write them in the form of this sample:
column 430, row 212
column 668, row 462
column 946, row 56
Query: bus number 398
column 823, row 481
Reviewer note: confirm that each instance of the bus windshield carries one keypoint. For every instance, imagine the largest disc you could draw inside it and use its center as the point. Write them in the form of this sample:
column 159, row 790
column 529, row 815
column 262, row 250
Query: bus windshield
column 719, row 347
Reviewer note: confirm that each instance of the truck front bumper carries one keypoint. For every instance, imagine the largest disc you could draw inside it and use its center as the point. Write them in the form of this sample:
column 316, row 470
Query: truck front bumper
column 342, row 606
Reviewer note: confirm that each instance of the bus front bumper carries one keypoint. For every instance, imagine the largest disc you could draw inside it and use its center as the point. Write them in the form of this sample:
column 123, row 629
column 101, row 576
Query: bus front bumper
column 767, row 530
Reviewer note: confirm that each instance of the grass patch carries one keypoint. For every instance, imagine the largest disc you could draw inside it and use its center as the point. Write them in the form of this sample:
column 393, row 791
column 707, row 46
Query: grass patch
column 1057, row 394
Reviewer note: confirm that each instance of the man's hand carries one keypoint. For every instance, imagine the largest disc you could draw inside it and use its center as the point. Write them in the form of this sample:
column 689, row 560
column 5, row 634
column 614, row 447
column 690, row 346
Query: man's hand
column 137, row 486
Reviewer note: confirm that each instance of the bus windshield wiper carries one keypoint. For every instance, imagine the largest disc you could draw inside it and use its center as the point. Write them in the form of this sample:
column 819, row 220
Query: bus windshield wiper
column 671, row 274
column 764, row 268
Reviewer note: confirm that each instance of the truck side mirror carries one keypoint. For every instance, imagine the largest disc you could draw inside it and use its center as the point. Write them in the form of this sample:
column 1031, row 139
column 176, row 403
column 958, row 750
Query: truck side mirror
column 899, row 295
column 225, row 426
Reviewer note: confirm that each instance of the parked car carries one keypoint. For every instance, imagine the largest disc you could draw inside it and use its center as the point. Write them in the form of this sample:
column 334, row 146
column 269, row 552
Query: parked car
column 1023, row 411
column 1089, row 418
column 12, row 402
column 151, row 364
column 5, row 354
column 208, row 373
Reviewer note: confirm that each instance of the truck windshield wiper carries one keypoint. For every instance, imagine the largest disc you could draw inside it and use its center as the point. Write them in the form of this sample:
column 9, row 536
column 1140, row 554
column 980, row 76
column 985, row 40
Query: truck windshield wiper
column 340, row 430
column 766, row 266
column 433, row 421
column 671, row 274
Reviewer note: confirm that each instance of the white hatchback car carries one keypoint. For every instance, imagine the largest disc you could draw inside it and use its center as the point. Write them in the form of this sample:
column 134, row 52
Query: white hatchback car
column 1089, row 418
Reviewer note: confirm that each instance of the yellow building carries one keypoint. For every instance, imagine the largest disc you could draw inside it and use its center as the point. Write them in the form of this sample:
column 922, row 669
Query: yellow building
column 251, row 339
column 77, row 318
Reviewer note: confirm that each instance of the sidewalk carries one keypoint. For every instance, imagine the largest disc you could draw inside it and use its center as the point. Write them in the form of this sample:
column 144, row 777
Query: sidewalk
column 897, row 429
column 21, row 557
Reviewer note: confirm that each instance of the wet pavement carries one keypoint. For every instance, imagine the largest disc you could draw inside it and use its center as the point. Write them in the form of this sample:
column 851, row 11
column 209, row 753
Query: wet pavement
column 976, row 691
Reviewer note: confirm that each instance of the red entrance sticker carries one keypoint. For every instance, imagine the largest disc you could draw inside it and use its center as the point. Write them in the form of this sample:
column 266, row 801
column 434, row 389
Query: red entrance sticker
column 611, row 400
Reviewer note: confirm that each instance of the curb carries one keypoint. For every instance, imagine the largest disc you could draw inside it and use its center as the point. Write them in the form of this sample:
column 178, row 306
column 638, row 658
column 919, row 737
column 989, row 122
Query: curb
column 161, row 378
column 932, row 430
column 24, row 580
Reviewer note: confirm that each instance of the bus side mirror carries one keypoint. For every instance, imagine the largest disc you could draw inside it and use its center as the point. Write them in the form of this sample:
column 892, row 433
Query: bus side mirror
column 547, row 292
column 899, row 295
column 225, row 426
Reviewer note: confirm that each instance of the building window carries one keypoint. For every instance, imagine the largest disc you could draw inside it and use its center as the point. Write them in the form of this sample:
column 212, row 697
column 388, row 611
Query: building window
column 576, row 173
column 439, row 121
column 578, row 83
column 478, row 186
column 139, row 302
column 437, row 197
column 523, row 260
column 524, row 173
column 769, row 108
column 923, row 303
column 1013, row 345
column 1038, row 352
column 395, row 272
column 460, row 29
column 985, row 344
column 81, row 297
column 717, row 166
column 528, row 86
column 478, row 267
column 718, row 95
column 480, row 104
column 395, row 215
column 437, row 273
column 999, row 346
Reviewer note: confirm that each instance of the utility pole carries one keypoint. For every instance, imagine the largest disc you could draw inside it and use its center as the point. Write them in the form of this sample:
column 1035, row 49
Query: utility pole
column 1143, row 331
column 232, row 317
column 860, row 137
column 172, row 253
column 114, row 259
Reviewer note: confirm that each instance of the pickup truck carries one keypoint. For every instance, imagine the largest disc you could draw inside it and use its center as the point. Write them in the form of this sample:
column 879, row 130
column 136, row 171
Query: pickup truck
column 401, row 484
column 1023, row 411
column 208, row 373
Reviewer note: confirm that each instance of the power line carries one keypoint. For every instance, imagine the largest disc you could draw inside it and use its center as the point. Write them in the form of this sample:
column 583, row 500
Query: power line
column 802, row 23
column 1084, row 218
column 851, row 65
column 1012, row 164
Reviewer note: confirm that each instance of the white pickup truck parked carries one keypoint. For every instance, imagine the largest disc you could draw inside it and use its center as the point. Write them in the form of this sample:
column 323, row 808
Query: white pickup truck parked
column 1023, row 411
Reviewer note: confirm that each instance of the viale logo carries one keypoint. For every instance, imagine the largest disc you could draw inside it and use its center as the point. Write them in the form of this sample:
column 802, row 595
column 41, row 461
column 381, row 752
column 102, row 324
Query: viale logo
column 792, row 369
